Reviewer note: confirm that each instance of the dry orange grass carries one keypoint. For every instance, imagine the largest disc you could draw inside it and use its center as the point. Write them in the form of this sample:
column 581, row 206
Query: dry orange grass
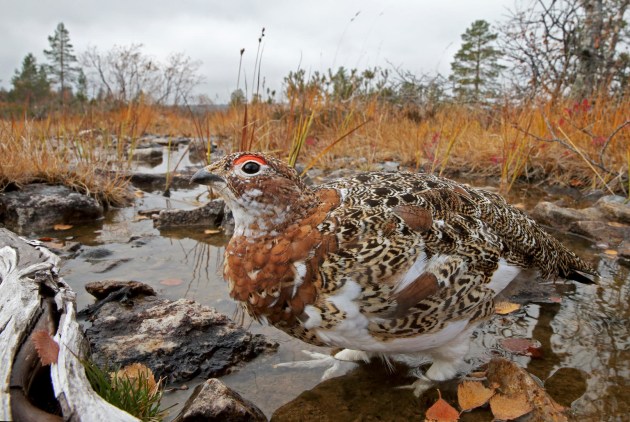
column 581, row 144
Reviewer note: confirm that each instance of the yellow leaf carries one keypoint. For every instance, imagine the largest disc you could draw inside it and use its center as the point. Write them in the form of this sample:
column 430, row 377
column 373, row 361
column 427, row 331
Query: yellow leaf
column 472, row 394
column 134, row 372
column 509, row 407
column 139, row 194
column 212, row 231
column 504, row 308
column 62, row 227
column 611, row 252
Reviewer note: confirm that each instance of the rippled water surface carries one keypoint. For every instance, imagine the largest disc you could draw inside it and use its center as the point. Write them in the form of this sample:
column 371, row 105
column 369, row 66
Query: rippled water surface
column 583, row 329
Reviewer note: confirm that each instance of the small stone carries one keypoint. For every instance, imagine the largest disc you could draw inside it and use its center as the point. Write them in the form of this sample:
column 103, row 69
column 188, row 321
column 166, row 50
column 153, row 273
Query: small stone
column 103, row 265
column 213, row 214
column 214, row 401
column 102, row 289
column 96, row 253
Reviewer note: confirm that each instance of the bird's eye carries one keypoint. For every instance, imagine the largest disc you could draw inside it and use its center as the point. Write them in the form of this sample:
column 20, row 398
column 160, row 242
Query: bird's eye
column 251, row 167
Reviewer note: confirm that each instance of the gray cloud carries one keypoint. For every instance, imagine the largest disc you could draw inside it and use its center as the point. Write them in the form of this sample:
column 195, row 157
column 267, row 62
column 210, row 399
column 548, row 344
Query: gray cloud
column 420, row 35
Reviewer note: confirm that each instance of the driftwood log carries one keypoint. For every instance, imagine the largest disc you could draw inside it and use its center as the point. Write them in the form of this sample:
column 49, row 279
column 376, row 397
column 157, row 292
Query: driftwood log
column 33, row 297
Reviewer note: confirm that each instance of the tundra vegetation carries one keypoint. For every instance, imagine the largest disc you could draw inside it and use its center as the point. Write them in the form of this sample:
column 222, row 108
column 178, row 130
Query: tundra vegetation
column 540, row 97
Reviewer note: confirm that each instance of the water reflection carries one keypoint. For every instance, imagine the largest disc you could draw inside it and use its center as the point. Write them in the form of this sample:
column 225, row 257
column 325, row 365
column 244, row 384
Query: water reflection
column 585, row 335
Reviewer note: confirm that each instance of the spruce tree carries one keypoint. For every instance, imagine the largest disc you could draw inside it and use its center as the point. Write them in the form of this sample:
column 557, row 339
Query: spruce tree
column 475, row 68
column 30, row 84
column 61, row 59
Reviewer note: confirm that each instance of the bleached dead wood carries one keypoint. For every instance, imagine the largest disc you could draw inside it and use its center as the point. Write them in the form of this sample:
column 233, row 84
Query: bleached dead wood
column 29, row 287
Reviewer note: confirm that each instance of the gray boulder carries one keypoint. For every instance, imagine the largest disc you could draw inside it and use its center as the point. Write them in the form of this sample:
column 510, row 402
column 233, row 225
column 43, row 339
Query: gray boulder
column 615, row 208
column 214, row 401
column 607, row 220
column 39, row 207
column 177, row 340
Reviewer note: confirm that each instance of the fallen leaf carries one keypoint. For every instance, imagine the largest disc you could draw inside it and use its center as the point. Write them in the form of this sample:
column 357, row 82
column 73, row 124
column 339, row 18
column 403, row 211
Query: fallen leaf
column 171, row 281
column 141, row 217
column 60, row 227
column 519, row 346
column 504, row 308
column 47, row 348
column 535, row 352
column 212, row 231
column 477, row 374
column 512, row 381
column 509, row 407
column 472, row 394
column 441, row 411
column 134, row 372
column 611, row 252
column 139, row 194
column 45, row 239
column 616, row 224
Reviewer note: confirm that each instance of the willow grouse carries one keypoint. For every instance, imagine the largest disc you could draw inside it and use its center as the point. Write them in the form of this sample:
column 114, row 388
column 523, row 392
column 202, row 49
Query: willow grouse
column 378, row 263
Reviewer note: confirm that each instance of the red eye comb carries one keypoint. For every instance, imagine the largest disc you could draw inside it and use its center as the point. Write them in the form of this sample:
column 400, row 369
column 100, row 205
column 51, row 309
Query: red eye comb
column 249, row 157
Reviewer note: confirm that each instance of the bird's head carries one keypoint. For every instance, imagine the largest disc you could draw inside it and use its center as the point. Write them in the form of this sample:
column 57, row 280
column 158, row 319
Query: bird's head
column 259, row 189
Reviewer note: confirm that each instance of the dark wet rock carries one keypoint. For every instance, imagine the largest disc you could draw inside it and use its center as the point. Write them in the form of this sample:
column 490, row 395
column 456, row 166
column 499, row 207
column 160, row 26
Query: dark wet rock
column 107, row 291
column 214, row 214
column 151, row 155
column 602, row 231
column 557, row 216
column 214, row 401
column 149, row 182
column 177, row 340
column 39, row 207
column 103, row 288
column 103, row 265
column 96, row 253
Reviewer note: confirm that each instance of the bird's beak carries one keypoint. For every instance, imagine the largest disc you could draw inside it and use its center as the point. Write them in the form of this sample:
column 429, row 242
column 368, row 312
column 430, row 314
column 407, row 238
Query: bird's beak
column 204, row 177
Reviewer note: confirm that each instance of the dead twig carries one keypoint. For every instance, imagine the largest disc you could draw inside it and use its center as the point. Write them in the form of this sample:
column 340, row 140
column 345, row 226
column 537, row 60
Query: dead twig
column 612, row 135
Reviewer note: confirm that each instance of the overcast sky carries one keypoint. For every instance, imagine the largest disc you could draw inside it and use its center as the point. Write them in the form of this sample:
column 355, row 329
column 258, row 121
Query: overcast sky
column 420, row 36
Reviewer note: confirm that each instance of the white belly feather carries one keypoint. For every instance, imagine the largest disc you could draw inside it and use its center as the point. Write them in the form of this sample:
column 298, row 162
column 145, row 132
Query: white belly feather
column 352, row 332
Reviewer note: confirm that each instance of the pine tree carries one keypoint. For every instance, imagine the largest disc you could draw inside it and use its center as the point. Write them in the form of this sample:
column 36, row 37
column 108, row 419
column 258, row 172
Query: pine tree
column 61, row 60
column 475, row 68
column 30, row 84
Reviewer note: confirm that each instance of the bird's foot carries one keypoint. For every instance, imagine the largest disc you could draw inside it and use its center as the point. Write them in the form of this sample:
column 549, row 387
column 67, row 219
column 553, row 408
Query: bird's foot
column 421, row 385
column 339, row 364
